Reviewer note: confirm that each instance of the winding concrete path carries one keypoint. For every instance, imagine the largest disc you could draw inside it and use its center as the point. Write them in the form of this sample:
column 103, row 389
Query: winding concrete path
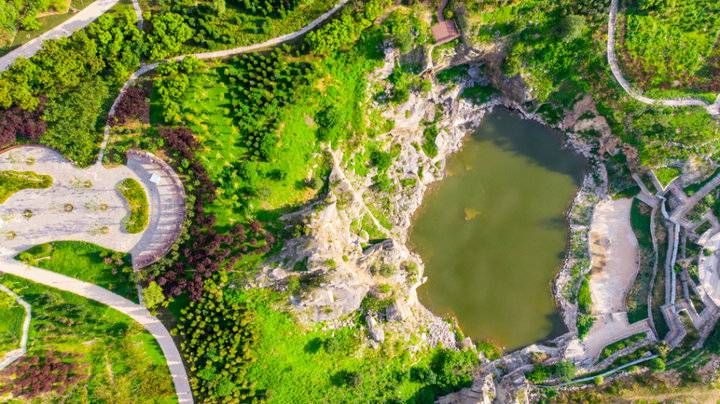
column 138, row 313
column 16, row 354
column 712, row 109
column 146, row 68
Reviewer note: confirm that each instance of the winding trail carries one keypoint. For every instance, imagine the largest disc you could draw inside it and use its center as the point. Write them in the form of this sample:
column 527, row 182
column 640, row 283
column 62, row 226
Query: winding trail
column 146, row 68
column 138, row 313
column 16, row 354
column 712, row 109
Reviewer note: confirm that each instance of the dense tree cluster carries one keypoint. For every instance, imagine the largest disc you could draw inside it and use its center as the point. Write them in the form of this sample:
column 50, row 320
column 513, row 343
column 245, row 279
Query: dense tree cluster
column 23, row 14
column 217, row 342
column 133, row 104
column 267, row 7
column 260, row 86
column 17, row 122
column 35, row 375
column 343, row 31
column 203, row 250
column 74, row 75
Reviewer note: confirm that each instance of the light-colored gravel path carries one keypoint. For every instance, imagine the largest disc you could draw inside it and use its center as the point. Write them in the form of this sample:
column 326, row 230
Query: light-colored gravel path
column 712, row 109
column 16, row 354
column 138, row 313
column 81, row 204
column 167, row 207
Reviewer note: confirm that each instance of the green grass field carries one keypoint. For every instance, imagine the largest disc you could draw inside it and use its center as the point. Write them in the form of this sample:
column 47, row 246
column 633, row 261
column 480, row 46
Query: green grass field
column 137, row 201
column 205, row 107
column 118, row 361
column 85, row 261
column 14, row 181
column 12, row 315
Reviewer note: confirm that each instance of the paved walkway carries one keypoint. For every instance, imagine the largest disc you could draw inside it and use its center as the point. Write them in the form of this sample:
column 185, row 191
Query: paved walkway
column 80, row 20
column 167, row 207
column 138, row 313
column 712, row 109
column 95, row 205
column 16, row 354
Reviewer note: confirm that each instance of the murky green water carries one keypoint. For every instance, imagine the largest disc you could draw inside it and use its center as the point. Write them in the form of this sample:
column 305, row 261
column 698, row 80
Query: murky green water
column 493, row 233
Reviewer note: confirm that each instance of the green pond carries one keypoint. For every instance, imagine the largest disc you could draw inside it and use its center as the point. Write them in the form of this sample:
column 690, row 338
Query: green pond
column 493, row 233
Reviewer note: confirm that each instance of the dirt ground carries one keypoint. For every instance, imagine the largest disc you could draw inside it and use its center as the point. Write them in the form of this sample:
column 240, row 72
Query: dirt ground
column 615, row 259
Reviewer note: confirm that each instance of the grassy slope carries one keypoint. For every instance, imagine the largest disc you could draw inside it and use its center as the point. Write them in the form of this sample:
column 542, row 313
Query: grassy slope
column 83, row 261
column 294, row 364
column 669, row 44
column 14, row 181
column 12, row 315
column 121, row 361
column 339, row 81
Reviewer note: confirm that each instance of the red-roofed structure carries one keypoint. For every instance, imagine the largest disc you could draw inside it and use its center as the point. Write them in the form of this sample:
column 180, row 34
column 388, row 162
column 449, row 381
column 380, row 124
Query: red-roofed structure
column 444, row 31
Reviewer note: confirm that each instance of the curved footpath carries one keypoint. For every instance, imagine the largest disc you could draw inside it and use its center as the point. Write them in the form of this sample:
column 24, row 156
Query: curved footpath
column 144, row 69
column 712, row 109
column 16, row 354
column 100, row 295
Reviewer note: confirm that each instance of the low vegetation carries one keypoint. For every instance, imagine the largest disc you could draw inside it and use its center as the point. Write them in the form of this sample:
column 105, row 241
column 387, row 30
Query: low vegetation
column 137, row 201
column 85, row 261
column 620, row 345
column 585, row 319
column 636, row 300
column 15, row 181
column 80, row 350
column 11, row 327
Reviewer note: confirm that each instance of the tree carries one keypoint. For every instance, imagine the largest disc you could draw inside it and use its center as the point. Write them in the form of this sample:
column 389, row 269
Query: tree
column 168, row 34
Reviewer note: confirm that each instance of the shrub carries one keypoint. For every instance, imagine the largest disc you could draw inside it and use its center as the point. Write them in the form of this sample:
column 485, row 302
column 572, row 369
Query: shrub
column 137, row 201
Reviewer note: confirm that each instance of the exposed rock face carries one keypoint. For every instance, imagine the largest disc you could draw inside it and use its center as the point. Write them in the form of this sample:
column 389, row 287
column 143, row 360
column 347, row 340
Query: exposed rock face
column 328, row 251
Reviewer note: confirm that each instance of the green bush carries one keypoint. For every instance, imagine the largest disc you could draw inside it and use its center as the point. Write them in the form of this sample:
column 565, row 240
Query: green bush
column 137, row 201
column 15, row 181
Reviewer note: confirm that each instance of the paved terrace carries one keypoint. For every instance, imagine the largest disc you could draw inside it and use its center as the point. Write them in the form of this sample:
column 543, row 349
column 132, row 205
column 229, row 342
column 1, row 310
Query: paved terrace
column 83, row 205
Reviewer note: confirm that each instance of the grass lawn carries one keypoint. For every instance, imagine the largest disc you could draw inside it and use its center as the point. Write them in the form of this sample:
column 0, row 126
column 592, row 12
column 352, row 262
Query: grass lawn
column 14, row 181
column 117, row 360
column 12, row 315
column 296, row 365
column 666, row 175
column 85, row 261
column 137, row 201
